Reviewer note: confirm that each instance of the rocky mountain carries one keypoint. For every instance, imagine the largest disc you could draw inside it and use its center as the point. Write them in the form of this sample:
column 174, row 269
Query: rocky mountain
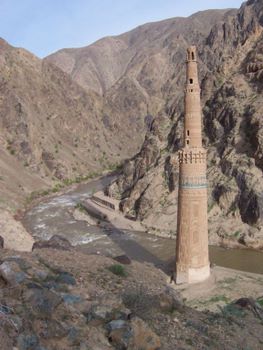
column 230, row 62
column 81, row 110
column 51, row 129
column 142, row 55
column 137, row 72
column 62, row 122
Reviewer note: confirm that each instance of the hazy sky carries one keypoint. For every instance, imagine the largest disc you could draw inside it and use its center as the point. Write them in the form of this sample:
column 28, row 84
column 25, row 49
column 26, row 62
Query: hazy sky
column 44, row 26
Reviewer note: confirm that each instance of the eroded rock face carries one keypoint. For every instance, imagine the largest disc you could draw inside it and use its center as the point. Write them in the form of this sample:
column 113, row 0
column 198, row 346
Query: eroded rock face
column 233, row 135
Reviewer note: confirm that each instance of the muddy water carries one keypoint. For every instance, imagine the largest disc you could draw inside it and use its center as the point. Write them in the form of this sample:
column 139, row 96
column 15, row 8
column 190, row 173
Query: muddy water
column 55, row 216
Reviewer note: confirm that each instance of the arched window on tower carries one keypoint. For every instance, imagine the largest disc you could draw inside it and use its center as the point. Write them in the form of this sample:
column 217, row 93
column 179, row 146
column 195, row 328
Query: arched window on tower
column 191, row 81
column 193, row 56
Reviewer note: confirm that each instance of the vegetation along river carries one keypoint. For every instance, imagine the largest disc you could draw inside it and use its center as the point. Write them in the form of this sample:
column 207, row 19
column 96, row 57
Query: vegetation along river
column 55, row 216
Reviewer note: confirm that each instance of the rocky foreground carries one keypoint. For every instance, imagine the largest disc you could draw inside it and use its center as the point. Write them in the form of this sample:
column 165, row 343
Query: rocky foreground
column 61, row 299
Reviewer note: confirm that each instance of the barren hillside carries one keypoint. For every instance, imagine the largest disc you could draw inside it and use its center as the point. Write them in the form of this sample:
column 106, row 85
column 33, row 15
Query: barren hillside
column 57, row 126
column 51, row 128
column 140, row 71
column 232, row 100
column 101, row 65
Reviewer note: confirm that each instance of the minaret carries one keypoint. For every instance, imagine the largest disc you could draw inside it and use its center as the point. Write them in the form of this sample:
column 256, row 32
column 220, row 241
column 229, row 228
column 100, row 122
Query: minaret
column 192, row 261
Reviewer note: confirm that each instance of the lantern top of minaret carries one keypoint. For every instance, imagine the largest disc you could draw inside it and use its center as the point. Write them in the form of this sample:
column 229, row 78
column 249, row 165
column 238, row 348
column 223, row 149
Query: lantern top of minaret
column 191, row 54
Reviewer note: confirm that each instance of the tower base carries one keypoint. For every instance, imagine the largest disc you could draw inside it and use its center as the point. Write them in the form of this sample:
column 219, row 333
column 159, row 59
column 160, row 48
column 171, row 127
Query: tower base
column 192, row 275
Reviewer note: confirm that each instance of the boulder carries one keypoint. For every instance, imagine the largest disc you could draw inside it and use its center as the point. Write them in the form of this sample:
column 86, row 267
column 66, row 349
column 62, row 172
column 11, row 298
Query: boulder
column 134, row 334
column 48, row 329
column 55, row 242
column 96, row 340
column 170, row 300
column 71, row 299
column 27, row 342
column 42, row 301
column 123, row 259
column 120, row 333
column 101, row 314
column 66, row 278
column 11, row 272
column 143, row 336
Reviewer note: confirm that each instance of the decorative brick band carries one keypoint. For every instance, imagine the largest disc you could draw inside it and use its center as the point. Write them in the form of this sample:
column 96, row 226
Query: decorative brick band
column 193, row 182
column 192, row 157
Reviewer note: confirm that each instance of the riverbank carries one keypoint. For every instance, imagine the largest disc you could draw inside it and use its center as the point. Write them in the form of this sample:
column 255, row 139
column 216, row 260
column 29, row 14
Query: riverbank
column 118, row 220
column 61, row 215
column 18, row 237
column 121, row 236
column 124, row 223
column 223, row 286
column 253, row 242
column 60, row 189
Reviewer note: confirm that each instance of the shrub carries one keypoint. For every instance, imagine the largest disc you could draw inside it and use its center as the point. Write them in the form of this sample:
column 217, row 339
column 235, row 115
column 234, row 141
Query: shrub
column 118, row 270
column 237, row 234
column 80, row 207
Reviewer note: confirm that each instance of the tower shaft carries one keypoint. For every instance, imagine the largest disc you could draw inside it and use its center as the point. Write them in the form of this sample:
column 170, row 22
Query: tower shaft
column 192, row 262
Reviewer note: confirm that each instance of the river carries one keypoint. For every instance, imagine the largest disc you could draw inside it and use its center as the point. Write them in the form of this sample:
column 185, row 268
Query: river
column 55, row 216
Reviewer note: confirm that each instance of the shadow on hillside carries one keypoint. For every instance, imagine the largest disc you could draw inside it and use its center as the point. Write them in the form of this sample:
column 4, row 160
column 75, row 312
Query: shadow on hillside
column 134, row 250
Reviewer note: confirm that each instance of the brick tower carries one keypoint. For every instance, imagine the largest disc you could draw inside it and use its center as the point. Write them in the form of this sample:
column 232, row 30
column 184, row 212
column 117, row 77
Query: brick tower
column 192, row 261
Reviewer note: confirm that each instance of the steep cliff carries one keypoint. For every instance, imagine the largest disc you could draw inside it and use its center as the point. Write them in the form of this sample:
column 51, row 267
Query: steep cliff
column 233, row 134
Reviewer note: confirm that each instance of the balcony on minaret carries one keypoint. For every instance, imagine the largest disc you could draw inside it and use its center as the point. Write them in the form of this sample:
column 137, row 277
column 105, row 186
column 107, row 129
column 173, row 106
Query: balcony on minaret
column 191, row 54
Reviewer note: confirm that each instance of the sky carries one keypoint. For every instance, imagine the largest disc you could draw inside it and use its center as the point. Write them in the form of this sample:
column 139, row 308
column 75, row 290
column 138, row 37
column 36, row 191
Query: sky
column 45, row 26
